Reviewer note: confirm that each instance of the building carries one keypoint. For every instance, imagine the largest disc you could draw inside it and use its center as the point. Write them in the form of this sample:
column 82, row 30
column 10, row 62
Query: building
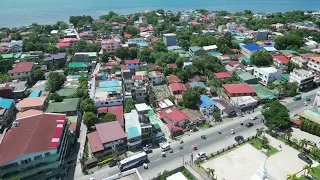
column 264, row 94
column 156, row 77
column 6, row 91
column 8, row 112
column 143, row 20
column 108, row 93
column 78, row 66
column 222, row 75
column 116, row 110
column 177, row 88
column 231, row 26
column 133, row 130
column 40, row 148
column 206, row 106
column 145, row 124
column 110, row 46
column 250, row 49
column 267, row 74
column 109, row 138
column 248, row 78
column 298, row 60
column 175, row 120
column 235, row 90
column 38, row 103
column 211, row 48
column 67, row 92
column 22, row 71
column 280, row 61
column 59, row 57
column 173, row 79
column 133, row 62
column 196, row 51
column 314, row 63
column 86, row 56
column 261, row 35
column 304, row 78
column 244, row 103
column 170, row 39
column 70, row 107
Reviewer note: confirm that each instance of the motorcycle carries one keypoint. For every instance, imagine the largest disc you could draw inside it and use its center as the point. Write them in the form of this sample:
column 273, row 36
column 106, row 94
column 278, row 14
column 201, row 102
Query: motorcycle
column 181, row 147
column 171, row 151
column 181, row 142
column 219, row 132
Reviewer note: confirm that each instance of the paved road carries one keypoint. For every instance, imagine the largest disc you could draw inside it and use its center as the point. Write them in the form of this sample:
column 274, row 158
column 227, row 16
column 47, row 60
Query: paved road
column 213, row 139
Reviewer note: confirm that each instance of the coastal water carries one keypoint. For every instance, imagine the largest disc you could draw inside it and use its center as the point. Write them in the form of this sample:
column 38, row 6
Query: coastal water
column 14, row 13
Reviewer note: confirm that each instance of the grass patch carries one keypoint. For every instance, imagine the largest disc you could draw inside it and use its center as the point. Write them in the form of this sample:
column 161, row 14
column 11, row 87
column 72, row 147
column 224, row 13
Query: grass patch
column 203, row 126
column 258, row 145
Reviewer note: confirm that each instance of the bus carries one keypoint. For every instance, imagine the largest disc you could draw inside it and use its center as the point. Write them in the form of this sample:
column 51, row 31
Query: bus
column 132, row 161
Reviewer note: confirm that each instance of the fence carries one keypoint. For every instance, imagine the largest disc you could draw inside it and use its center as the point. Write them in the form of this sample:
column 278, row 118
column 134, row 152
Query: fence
column 199, row 171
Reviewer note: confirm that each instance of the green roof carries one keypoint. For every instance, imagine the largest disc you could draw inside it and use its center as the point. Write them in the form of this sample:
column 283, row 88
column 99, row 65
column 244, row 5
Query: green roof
column 195, row 48
column 288, row 52
column 263, row 92
column 311, row 115
column 277, row 82
column 78, row 65
column 285, row 77
column 66, row 92
column 17, row 56
column 154, row 120
column 68, row 105
column 245, row 59
column 246, row 76
column 7, row 56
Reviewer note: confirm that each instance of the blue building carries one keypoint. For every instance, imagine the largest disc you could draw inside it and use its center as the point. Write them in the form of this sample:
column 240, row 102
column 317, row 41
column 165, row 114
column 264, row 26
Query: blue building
column 170, row 39
column 249, row 49
column 206, row 105
column 7, row 112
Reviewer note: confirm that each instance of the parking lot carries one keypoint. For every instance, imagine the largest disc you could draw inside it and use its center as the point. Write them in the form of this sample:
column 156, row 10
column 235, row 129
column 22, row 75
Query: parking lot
column 299, row 135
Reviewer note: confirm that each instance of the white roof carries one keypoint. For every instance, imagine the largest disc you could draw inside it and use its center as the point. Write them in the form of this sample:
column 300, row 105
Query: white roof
column 268, row 69
column 211, row 47
column 169, row 34
column 177, row 176
column 142, row 107
column 270, row 49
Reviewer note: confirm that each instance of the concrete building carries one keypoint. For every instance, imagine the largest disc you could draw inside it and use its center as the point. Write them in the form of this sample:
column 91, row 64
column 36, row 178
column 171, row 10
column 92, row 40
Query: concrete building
column 38, row 103
column 314, row 63
column 261, row 35
column 143, row 19
column 170, row 39
column 85, row 56
column 231, row 26
column 145, row 124
column 298, row 60
column 108, row 93
column 110, row 46
column 206, row 105
column 8, row 112
column 196, row 51
column 267, row 74
column 22, row 71
column 139, row 90
column 236, row 90
column 250, row 49
column 40, row 148
column 303, row 77
column 156, row 77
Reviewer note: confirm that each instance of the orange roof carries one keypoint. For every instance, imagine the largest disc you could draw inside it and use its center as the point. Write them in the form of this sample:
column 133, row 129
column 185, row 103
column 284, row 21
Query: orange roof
column 32, row 102
column 30, row 112
column 316, row 58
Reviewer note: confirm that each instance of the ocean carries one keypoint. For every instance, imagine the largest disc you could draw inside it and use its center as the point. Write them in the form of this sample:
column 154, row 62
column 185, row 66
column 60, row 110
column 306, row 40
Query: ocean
column 15, row 13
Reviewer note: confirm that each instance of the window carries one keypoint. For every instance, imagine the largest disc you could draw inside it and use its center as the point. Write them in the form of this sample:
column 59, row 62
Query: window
column 47, row 154
column 18, row 74
column 38, row 157
column 26, row 72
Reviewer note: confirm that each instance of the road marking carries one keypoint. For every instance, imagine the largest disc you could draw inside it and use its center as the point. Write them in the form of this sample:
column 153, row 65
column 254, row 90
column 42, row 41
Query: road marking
column 157, row 159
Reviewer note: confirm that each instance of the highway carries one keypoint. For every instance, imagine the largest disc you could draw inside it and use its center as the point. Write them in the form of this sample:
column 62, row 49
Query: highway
column 214, row 141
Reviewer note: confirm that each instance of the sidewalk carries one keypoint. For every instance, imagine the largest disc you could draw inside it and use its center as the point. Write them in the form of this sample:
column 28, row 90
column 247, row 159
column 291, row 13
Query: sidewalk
column 81, row 141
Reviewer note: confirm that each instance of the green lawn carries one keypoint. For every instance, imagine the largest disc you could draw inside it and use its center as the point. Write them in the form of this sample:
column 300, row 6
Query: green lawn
column 203, row 126
column 257, row 144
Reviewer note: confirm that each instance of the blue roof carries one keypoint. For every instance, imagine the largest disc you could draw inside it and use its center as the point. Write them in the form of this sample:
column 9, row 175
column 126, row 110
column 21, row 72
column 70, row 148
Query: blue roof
column 34, row 94
column 5, row 103
column 106, row 84
column 133, row 132
column 132, row 66
column 252, row 47
column 200, row 84
column 112, row 89
column 142, row 44
column 206, row 101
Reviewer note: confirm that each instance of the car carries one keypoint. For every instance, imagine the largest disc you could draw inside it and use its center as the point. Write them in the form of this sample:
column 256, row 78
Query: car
column 238, row 138
column 250, row 124
column 305, row 158
column 305, row 103
column 112, row 163
column 253, row 118
column 311, row 143
column 201, row 155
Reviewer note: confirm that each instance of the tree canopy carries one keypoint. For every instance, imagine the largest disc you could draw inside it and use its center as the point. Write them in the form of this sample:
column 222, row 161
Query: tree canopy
column 108, row 117
column 261, row 58
column 129, row 105
column 191, row 99
column 55, row 81
column 288, row 41
column 276, row 115
column 89, row 119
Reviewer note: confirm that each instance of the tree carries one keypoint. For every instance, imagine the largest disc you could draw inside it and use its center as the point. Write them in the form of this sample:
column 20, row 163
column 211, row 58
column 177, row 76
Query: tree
column 289, row 41
column 159, row 47
column 259, row 132
column 303, row 143
column 172, row 98
column 152, row 97
column 276, row 115
column 145, row 56
column 288, row 134
column 217, row 117
column 210, row 172
column 105, row 57
column 108, row 117
column 38, row 75
column 89, row 119
column 261, row 58
column 4, row 78
column 191, row 98
column 56, row 97
column 132, row 30
column 129, row 105
column 292, row 177
column 264, row 142
column 179, row 63
column 5, row 65
column 200, row 90
column 52, row 49
column 55, row 81
column 308, row 169
column 292, row 66
column 248, row 41
column 87, row 105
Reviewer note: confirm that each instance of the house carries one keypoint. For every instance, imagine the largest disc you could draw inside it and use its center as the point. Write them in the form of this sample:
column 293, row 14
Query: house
column 59, row 57
column 106, row 137
column 86, row 57
column 108, row 93
column 177, row 88
column 40, row 148
column 37, row 103
column 222, row 75
column 244, row 103
column 110, row 46
column 173, row 79
column 116, row 110
column 196, row 51
column 314, row 63
column 78, row 66
column 156, row 77
column 198, row 78
column 261, row 35
column 211, row 48
column 300, row 61
column 6, row 91
column 206, row 105
column 248, row 78
column 280, row 61
column 66, row 92
column 70, row 107
column 134, row 62
column 225, row 108
column 175, row 120
column 15, row 46
column 170, row 39
column 196, row 84
column 267, row 74
column 235, row 90
column 133, row 130
column 250, row 49
column 22, row 71
column 270, row 50
column 231, row 26
column 8, row 112
column 172, row 66
column 304, row 78
column 263, row 93
column 19, row 88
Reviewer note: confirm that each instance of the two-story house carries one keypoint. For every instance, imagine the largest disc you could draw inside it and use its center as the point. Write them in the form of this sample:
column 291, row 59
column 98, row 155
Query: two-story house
column 38, row 103
column 110, row 46
column 22, row 71
column 206, row 105
column 267, row 74
column 8, row 111
column 156, row 77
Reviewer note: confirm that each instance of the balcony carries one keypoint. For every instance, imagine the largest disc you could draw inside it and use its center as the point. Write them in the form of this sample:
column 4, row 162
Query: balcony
column 134, row 143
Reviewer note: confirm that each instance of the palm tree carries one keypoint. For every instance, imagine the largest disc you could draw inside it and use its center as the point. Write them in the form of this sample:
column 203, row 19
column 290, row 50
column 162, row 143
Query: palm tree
column 210, row 172
column 292, row 177
column 259, row 132
column 294, row 141
column 288, row 135
column 307, row 169
column 303, row 143
column 314, row 150
column 265, row 142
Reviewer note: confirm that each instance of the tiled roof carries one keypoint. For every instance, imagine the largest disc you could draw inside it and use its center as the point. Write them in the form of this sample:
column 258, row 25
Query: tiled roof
column 173, row 114
column 221, row 75
column 177, row 87
column 22, row 67
column 32, row 102
column 134, row 61
column 282, row 59
column 95, row 142
column 34, row 134
column 173, row 79
column 238, row 88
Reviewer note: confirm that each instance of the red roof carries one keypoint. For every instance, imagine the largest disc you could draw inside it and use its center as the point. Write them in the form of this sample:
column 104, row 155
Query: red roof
column 173, row 114
column 134, row 61
column 171, row 66
column 173, row 79
column 126, row 35
column 22, row 67
column 154, row 39
column 137, row 77
column 34, row 134
column 177, row 87
column 102, row 110
column 221, row 75
column 95, row 142
column 233, row 63
column 153, row 67
column 282, row 59
column 124, row 67
column 118, row 111
column 238, row 88
column 61, row 45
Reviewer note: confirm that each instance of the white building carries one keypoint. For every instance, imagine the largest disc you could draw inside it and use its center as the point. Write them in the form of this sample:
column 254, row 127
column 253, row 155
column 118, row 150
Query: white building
column 298, row 60
column 108, row 93
column 143, row 19
column 206, row 105
column 231, row 26
column 156, row 77
column 133, row 130
column 314, row 63
column 316, row 102
column 243, row 102
column 303, row 77
column 267, row 74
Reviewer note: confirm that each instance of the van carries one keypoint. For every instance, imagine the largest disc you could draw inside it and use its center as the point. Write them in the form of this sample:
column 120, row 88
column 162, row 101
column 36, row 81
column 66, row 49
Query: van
column 165, row 146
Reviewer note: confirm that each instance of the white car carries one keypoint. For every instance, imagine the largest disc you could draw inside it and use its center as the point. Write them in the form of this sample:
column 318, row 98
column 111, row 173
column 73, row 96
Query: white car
column 253, row 118
column 201, row 155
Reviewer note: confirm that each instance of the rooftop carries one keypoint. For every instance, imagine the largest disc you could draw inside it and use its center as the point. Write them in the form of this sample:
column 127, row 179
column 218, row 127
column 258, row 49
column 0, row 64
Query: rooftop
column 268, row 69
column 134, row 61
column 28, row 113
column 263, row 92
column 252, row 47
column 142, row 107
column 66, row 92
column 173, row 79
column 195, row 48
column 222, row 75
column 32, row 102
column 67, row 105
column 34, row 134
column 282, row 59
column 246, row 76
column 173, row 114
column 78, row 64
column 169, row 34
column 208, row 48
column 57, row 56
column 5, row 103
column 106, row 84
column 238, row 88
column 118, row 111
column 132, row 124
column 22, row 67
column 177, row 87
column 199, row 84
column 206, row 101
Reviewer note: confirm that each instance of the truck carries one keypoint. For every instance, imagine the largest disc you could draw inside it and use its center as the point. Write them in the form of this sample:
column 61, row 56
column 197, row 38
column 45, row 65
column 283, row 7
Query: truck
column 297, row 97
column 308, row 98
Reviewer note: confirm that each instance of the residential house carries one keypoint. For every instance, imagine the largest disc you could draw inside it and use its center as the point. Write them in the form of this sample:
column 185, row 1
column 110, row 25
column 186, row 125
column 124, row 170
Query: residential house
column 222, row 75
column 196, row 84
column 67, row 92
column 270, row 50
column 22, row 71
column 235, row 90
column 173, row 79
column 116, row 110
column 170, row 39
column 107, row 136
column 177, row 88
column 59, row 57
column 172, row 66
column 38, row 103
column 261, row 35
column 298, row 60
column 15, row 46
column 70, row 107
column 156, row 77
column 19, row 88
column 304, row 78
column 196, row 51
column 263, row 93
column 175, row 120
column 250, row 49
column 244, row 103
column 133, row 130
column 314, row 63
column 211, row 48
column 8, row 112
column 267, row 74
column 198, row 78
column 110, row 46
column 86, row 57
column 134, row 62
column 280, row 61
column 206, row 105
column 231, row 26
column 40, row 148
column 248, row 78
column 6, row 91
column 108, row 93
column 78, row 66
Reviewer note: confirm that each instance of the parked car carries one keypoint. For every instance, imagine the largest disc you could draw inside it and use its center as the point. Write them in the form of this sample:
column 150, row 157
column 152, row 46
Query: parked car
column 201, row 155
column 112, row 163
column 253, row 118
column 238, row 138
column 250, row 124
column 311, row 143
column 305, row 158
